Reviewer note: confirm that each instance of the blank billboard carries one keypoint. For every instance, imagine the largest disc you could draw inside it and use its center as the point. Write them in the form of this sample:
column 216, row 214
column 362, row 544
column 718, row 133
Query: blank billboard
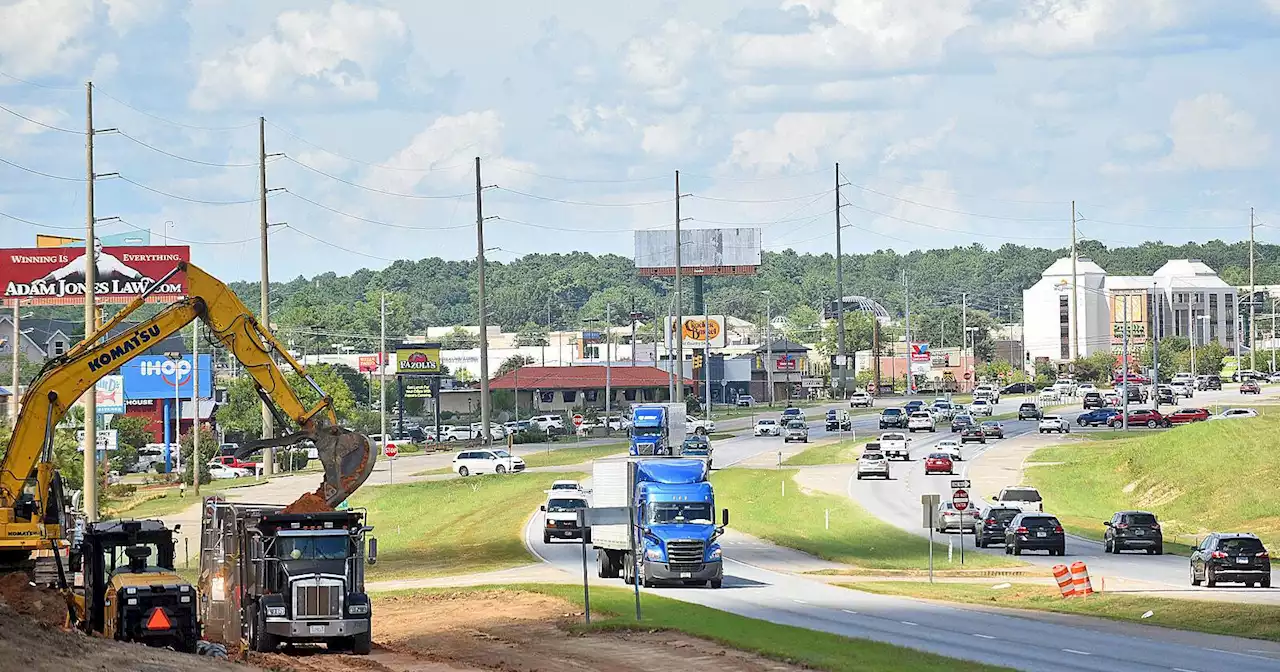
column 703, row 251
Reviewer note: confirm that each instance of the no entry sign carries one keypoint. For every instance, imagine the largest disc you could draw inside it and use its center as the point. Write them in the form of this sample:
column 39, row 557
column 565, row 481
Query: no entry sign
column 960, row 499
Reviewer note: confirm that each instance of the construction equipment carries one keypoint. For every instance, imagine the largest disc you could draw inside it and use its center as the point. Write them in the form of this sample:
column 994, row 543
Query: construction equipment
column 130, row 591
column 269, row 577
column 30, row 488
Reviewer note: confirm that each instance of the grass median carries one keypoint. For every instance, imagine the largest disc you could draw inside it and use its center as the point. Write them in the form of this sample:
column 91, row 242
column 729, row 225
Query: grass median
column 575, row 455
column 798, row 520
column 839, row 452
column 169, row 500
column 1258, row 621
column 456, row 526
column 1196, row 479
column 612, row 609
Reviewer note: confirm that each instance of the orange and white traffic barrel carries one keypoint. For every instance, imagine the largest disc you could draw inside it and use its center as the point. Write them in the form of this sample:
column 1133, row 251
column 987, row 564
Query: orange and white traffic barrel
column 1080, row 579
column 1062, row 574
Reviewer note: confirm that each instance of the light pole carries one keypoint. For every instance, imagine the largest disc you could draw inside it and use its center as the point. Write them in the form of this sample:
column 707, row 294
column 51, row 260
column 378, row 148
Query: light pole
column 1205, row 319
column 768, row 344
column 176, row 464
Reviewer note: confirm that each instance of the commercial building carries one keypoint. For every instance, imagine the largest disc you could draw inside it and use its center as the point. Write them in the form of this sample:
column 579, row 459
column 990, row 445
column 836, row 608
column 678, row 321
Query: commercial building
column 562, row 388
column 1183, row 298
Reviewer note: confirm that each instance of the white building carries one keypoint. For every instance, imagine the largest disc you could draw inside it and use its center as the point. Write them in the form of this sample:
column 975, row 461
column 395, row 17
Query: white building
column 1183, row 298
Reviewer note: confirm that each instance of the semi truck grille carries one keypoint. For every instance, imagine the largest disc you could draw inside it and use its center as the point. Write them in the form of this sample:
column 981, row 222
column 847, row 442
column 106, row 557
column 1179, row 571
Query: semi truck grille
column 684, row 554
column 317, row 601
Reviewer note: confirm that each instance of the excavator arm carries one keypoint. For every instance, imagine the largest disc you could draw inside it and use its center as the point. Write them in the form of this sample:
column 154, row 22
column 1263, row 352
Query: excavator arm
column 348, row 457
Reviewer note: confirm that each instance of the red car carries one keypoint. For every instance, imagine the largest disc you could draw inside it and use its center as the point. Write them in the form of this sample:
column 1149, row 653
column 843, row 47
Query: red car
column 938, row 463
column 1185, row 415
column 1250, row 387
column 233, row 462
column 1140, row 417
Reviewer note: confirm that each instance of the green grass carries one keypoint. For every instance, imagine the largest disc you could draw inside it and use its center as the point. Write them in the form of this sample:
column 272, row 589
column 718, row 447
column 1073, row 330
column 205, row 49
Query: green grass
column 758, row 507
column 166, row 501
column 1258, row 621
column 840, row 452
column 457, row 526
column 435, row 472
column 1198, row 478
column 563, row 456
column 613, row 609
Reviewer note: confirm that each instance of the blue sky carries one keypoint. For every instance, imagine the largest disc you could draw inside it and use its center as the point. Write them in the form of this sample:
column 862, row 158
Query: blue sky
column 954, row 121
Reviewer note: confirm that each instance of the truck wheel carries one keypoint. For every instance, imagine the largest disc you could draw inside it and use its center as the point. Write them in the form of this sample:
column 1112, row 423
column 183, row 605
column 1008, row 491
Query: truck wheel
column 259, row 639
column 362, row 644
column 546, row 537
column 715, row 583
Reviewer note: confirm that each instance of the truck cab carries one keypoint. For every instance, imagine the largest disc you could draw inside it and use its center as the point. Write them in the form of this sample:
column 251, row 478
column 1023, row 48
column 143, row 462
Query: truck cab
column 657, row 429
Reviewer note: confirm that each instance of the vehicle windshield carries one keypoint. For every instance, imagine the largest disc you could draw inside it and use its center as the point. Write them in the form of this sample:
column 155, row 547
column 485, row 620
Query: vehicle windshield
column 873, row 457
column 991, row 423
column 1240, row 545
column 796, row 425
column 646, row 431
column 1139, row 519
column 766, row 422
column 564, row 486
column 565, row 505
column 312, row 548
column 939, row 456
column 1026, row 406
column 1021, row 495
column 119, row 560
column 1002, row 515
column 501, row 453
column 920, row 416
column 892, row 411
column 893, row 437
column 1041, row 520
column 963, row 419
column 680, row 513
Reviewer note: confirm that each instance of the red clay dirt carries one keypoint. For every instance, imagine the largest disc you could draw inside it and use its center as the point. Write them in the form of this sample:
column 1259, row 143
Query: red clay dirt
column 47, row 607
column 311, row 502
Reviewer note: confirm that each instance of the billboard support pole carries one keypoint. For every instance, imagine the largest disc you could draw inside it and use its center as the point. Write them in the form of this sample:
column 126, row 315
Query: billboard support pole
column 679, row 308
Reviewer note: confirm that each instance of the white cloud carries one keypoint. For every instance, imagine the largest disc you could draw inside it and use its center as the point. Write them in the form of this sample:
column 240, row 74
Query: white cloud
column 675, row 135
column 603, row 128
column 449, row 142
column 1210, row 133
column 14, row 130
column 659, row 63
column 332, row 55
column 40, row 37
column 124, row 15
column 913, row 147
column 1051, row 27
column 859, row 34
column 805, row 140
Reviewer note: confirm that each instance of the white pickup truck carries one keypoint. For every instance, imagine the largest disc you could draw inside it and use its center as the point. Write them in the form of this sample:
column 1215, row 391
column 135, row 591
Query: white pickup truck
column 894, row 445
column 1021, row 497
column 986, row 391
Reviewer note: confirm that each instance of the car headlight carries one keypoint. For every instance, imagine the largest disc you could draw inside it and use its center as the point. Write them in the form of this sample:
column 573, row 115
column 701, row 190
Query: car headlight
column 275, row 610
column 358, row 609
column 654, row 554
column 715, row 554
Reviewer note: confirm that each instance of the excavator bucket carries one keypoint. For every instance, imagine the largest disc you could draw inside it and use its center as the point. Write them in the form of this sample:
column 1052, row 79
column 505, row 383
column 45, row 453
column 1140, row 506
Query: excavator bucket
column 348, row 459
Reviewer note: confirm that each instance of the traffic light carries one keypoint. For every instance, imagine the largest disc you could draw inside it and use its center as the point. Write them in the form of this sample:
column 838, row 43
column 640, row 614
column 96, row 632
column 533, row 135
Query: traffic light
column 697, row 361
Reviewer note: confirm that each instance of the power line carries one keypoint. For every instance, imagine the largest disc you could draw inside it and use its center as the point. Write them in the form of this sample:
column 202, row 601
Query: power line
column 335, row 246
column 195, row 242
column 184, row 158
column 185, row 198
column 335, row 211
column 761, row 200
column 171, row 122
column 41, row 123
column 371, row 164
column 371, row 189
column 583, row 180
column 953, row 211
column 38, row 84
column 42, row 174
column 943, row 228
column 586, row 203
column 79, row 227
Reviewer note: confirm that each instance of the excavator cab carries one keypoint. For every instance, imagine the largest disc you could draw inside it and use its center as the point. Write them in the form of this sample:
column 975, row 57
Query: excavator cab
column 130, row 590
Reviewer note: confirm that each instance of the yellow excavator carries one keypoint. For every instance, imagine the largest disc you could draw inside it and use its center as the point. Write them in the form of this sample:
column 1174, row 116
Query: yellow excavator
column 31, row 491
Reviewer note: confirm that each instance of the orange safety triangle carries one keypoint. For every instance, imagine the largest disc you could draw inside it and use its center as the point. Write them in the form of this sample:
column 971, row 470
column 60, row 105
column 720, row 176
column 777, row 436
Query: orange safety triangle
column 158, row 620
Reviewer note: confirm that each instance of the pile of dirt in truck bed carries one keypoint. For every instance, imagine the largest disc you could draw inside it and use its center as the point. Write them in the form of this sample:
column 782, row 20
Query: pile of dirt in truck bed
column 309, row 503
column 513, row 632
column 48, row 607
column 32, row 646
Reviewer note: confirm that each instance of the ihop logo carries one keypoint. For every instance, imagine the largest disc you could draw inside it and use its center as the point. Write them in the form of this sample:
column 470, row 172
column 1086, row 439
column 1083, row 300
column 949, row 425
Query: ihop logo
column 172, row 372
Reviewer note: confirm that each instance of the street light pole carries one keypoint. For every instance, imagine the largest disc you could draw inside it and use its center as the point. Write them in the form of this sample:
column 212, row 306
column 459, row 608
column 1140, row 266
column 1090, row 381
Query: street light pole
column 768, row 344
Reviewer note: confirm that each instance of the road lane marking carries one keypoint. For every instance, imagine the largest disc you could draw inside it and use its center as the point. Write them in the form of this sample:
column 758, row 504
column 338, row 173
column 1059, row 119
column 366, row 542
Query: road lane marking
column 908, row 623
column 799, row 601
column 1078, row 653
column 979, row 634
column 849, row 611
column 1182, row 669
column 1242, row 655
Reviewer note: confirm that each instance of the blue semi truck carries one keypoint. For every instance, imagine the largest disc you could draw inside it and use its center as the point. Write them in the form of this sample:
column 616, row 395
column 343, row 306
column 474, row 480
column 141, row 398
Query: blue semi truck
column 658, row 429
column 674, row 536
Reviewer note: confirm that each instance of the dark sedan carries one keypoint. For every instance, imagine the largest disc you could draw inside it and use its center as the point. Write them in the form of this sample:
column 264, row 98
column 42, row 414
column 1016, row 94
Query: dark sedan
column 973, row 433
column 1035, row 532
column 1097, row 417
column 993, row 429
column 1018, row 388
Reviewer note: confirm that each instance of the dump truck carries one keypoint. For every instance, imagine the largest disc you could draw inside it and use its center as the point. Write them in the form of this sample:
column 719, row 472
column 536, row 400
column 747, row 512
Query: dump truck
column 271, row 577
column 674, row 536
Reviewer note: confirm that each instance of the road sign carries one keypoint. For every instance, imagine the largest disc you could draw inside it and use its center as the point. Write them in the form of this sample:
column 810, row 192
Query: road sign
column 107, row 439
column 390, row 450
column 577, row 420
column 604, row 515
column 960, row 499
column 959, row 483
column 967, row 376
column 929, row 507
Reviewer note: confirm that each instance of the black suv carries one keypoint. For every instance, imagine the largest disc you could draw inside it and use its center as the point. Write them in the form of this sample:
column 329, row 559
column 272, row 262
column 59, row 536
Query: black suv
column 893, row 417
column 961, row 421
column 1028, row 411
column 1165, row 395
column 1208, row 383
column 1034, row 531
column 1133, row 530
column 1094, row 400
column 1018, row 388
column 994, row 521
column 1233, row 558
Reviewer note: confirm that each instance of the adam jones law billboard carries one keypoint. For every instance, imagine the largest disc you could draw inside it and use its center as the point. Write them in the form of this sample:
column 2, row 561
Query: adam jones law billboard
column 51, row 276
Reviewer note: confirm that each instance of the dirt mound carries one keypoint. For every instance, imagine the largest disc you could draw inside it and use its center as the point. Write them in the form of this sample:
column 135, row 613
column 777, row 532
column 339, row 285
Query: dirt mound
column 47, row 607
column 311, row 502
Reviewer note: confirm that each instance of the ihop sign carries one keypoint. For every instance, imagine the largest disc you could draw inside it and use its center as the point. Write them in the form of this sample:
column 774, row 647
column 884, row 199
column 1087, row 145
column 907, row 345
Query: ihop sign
column 154, row 377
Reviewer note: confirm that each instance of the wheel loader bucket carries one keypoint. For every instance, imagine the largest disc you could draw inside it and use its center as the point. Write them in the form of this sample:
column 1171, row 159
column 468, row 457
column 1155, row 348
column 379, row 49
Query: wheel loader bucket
column 348, row 459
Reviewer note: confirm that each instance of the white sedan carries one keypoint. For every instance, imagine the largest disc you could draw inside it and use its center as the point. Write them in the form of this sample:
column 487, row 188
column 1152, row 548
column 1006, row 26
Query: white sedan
column 220, row 472
column 767, row 427
column 950, row 447
column 980, row 407
column 1233, row 413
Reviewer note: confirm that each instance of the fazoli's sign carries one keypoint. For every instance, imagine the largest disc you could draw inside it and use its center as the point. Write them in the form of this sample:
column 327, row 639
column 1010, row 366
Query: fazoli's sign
column 418, row 359
column 53, row 276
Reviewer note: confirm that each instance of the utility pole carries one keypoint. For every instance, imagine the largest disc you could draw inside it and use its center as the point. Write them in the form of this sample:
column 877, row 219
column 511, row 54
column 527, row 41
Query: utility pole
column 706, row 356
column 1124, row 370
column 840, row 351
column 608, row 363
column 1273, row 336
column 964, row 333
column 17, row 340
column 90, row 500
column 679, row 308
column 875, row 356
column 1075, row 295
column 906, row 294
column 768, row 344
column 1191, row 331
column 264, row 288
column 548, row 338
column 195, row 407
column 1253, row 294
column 484, row 318
column 1155, row 346
column 382, row 376
column 632, row 316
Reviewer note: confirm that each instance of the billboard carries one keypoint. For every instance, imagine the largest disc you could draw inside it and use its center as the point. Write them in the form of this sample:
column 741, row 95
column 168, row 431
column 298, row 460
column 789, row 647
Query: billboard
column 368, row 363
column 920, row 353
column 55, row 276
column 1137, row 316
column 109, row 395
column 421, row 360
column 130, row 239
column 153, row 377
column 702, row 252
column 693, row 329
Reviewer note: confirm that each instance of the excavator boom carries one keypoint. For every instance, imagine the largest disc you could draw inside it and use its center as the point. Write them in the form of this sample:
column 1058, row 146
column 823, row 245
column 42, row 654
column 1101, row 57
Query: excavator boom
column 347, row 456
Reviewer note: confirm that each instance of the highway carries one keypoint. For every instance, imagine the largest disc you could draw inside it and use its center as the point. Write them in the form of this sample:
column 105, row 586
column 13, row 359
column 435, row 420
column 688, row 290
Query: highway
column 1023, row 641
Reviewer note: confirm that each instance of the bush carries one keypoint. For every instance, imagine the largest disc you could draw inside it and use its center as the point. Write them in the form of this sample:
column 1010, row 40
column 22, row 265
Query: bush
column 529, row 435
column 291, row 459
column 208, row 449
column 120, row 491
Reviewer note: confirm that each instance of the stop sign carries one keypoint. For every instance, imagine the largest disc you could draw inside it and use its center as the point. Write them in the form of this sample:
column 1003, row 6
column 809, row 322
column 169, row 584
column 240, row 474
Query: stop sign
column 967, row 376
column 960, row 499
column 577, row 420
column 390, row 450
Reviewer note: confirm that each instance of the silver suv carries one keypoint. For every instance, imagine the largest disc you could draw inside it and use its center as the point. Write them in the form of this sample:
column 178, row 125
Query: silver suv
column 873, row 463
column 795, row 431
